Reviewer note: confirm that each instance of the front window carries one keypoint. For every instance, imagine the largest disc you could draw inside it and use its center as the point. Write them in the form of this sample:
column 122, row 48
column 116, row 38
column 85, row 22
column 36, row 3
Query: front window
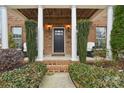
column 17, row 36
column 100, row 37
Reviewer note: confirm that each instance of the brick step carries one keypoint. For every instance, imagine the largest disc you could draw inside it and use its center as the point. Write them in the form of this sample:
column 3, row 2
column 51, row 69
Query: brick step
column 57, row 65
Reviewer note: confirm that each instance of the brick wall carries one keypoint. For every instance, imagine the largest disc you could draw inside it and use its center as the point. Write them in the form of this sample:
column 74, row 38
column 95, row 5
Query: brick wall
column 68, row 42
column 48, row 41
column 99, row 19
column 18, row 20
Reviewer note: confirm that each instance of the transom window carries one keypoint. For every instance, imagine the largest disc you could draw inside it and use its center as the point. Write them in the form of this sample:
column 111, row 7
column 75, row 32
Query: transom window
column 100, row 37
column 17, row 36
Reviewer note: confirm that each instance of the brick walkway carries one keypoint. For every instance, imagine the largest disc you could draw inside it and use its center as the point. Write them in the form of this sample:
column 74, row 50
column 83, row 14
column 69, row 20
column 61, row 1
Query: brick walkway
column 57, row 80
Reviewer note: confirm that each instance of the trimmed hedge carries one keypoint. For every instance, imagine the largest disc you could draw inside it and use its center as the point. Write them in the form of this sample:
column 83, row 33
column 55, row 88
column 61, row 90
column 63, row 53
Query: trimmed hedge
column 10, row 59
column 88, row 76
column 83, row 27
column 28, row 76
column 31, row 42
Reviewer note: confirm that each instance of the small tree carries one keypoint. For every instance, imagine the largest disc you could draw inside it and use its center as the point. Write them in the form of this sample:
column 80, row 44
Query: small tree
column 117, row 35
column 11, row 41
column 31, row 30
column 83, row 27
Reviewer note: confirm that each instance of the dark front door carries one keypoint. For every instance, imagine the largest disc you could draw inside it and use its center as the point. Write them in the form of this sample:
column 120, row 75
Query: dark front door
column 58, row 40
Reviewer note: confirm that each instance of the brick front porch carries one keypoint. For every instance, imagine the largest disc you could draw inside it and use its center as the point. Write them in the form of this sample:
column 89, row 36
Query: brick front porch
column 57, row 63
column 58, row 16
column 52, row 22
column 61, row 63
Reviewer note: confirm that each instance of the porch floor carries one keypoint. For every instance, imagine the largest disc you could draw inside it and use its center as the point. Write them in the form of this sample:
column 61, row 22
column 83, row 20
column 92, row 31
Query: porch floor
column 57, row 57
column 69, row 58
column 61, row 63
column 64, row 58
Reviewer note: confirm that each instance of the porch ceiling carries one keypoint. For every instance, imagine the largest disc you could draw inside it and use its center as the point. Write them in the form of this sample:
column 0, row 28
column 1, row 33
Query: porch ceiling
column 54, row 13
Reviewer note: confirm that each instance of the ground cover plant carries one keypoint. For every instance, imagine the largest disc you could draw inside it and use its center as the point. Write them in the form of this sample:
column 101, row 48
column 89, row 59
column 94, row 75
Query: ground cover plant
column 88, row 76
column 28, row 76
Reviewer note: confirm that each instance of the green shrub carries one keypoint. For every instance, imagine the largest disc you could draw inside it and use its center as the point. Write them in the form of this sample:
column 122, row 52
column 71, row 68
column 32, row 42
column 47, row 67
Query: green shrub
column 11, row 41
column 117, row 35
column 28, row 76
column 83, row 27
column 88, row 76
column 31, row 33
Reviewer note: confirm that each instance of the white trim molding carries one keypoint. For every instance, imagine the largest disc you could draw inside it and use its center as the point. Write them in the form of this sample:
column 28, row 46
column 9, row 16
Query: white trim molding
column 57, row 6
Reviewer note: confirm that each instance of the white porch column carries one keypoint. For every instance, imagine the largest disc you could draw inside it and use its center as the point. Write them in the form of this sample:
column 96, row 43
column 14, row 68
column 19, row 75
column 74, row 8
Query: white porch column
column 4, row 27
column 74, row 33
column 109, row 29
column 40, row 34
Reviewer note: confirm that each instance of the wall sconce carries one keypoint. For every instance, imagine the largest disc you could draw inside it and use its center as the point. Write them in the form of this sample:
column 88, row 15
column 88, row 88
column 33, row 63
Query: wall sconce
column 49, row 27
column 68, row 27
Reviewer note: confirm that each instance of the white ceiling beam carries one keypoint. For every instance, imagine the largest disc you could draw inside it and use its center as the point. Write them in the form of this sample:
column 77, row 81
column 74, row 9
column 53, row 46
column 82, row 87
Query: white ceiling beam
column 57, row 6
